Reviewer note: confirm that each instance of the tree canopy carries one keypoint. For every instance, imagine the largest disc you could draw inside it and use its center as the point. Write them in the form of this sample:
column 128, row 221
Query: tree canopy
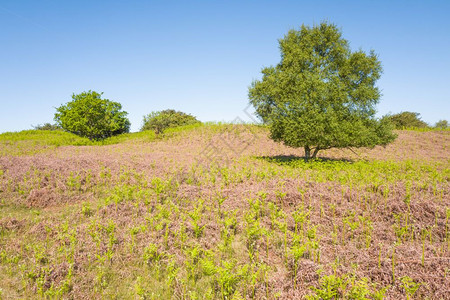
column 321, row 95
column 407, row 119
column 441, row 124
column 47, row 126
column 88, row 115
column 161, row 120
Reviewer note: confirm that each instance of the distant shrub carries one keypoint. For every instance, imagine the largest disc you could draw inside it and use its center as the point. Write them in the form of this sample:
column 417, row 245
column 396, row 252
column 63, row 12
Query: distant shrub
column 47, row 126
column 169, row 118
column 441, row 124
column 407, row 119
column 88, row 115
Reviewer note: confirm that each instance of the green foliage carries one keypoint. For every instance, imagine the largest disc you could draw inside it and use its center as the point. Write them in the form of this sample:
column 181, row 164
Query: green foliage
column 47, row 126
column 88, row 115
column 321, row 95
column 441, row 124
column 331, row 287
column 346, row 287
column 406, row 119
column 169, row 118
column 410, row 286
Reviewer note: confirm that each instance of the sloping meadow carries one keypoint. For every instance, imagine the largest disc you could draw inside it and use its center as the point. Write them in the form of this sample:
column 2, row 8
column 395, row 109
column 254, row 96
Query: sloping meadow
column 222, row 212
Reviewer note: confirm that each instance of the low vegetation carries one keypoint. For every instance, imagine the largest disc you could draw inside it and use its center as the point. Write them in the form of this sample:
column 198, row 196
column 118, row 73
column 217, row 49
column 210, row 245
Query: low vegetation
column 406, row 119
column 47, row 126
column 159, row 121
column 441, row 124
column 222, row 212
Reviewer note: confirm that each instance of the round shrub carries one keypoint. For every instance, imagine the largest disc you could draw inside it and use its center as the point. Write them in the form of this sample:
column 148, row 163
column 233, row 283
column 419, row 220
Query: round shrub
column 47, row 126
column 88, row 115
column 169, row 118
column 441, row 124
column 407, row 119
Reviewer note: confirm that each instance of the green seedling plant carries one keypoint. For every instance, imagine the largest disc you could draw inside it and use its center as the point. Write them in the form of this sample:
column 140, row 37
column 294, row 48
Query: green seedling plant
column 196, row 216
column 220, row 200
column 330, row 287
column 282, row 226
column 447, row 226
column 134, row 231
column 313, row 243
column 297, row 251
column 228, row 231
column 401, row 227
column 275, row 214
column 253, row 231
column 410, row 286
column 152, row 254
column 300, row 218
column 228, row 276
column 192, row 262
column 86, row 209
column 352, row 223
column 74, row 182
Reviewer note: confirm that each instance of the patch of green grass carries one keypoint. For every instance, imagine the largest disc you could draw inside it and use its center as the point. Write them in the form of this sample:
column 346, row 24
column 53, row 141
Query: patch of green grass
column 375, row 173
column 425, row 129
column 44, row 137
column 29, row 142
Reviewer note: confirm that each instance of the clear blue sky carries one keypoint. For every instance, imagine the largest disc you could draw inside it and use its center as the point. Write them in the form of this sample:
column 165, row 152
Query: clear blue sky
column 200, row 56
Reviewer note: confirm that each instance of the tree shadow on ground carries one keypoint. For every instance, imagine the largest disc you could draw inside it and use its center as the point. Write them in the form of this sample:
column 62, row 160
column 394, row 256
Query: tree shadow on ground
column 286, row 159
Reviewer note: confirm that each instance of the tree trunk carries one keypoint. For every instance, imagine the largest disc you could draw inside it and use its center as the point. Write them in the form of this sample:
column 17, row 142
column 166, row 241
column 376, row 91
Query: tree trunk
column 315, row 152
column 307, row 152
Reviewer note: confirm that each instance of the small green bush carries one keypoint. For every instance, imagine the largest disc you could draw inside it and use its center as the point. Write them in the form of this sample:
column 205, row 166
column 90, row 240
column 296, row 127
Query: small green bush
column 406, row 119
column 169, row 118
column 88, row 115
column 47, row 126
column 441, row 124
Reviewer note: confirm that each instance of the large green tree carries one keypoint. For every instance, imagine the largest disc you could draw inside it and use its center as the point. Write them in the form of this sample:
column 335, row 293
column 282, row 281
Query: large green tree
column 321, row 95
column 88, row 115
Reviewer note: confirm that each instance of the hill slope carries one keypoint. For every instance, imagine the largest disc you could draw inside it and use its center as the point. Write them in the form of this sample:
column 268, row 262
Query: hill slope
column 221, row 211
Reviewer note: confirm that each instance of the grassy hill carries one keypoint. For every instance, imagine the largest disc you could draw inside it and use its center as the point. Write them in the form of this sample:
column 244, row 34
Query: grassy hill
column 222, row 212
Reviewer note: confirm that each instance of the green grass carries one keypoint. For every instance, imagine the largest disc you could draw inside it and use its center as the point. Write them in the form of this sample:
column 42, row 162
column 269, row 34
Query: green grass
column 425, row 129
column 45, row 137
column 29, row 142
column 374, row 172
